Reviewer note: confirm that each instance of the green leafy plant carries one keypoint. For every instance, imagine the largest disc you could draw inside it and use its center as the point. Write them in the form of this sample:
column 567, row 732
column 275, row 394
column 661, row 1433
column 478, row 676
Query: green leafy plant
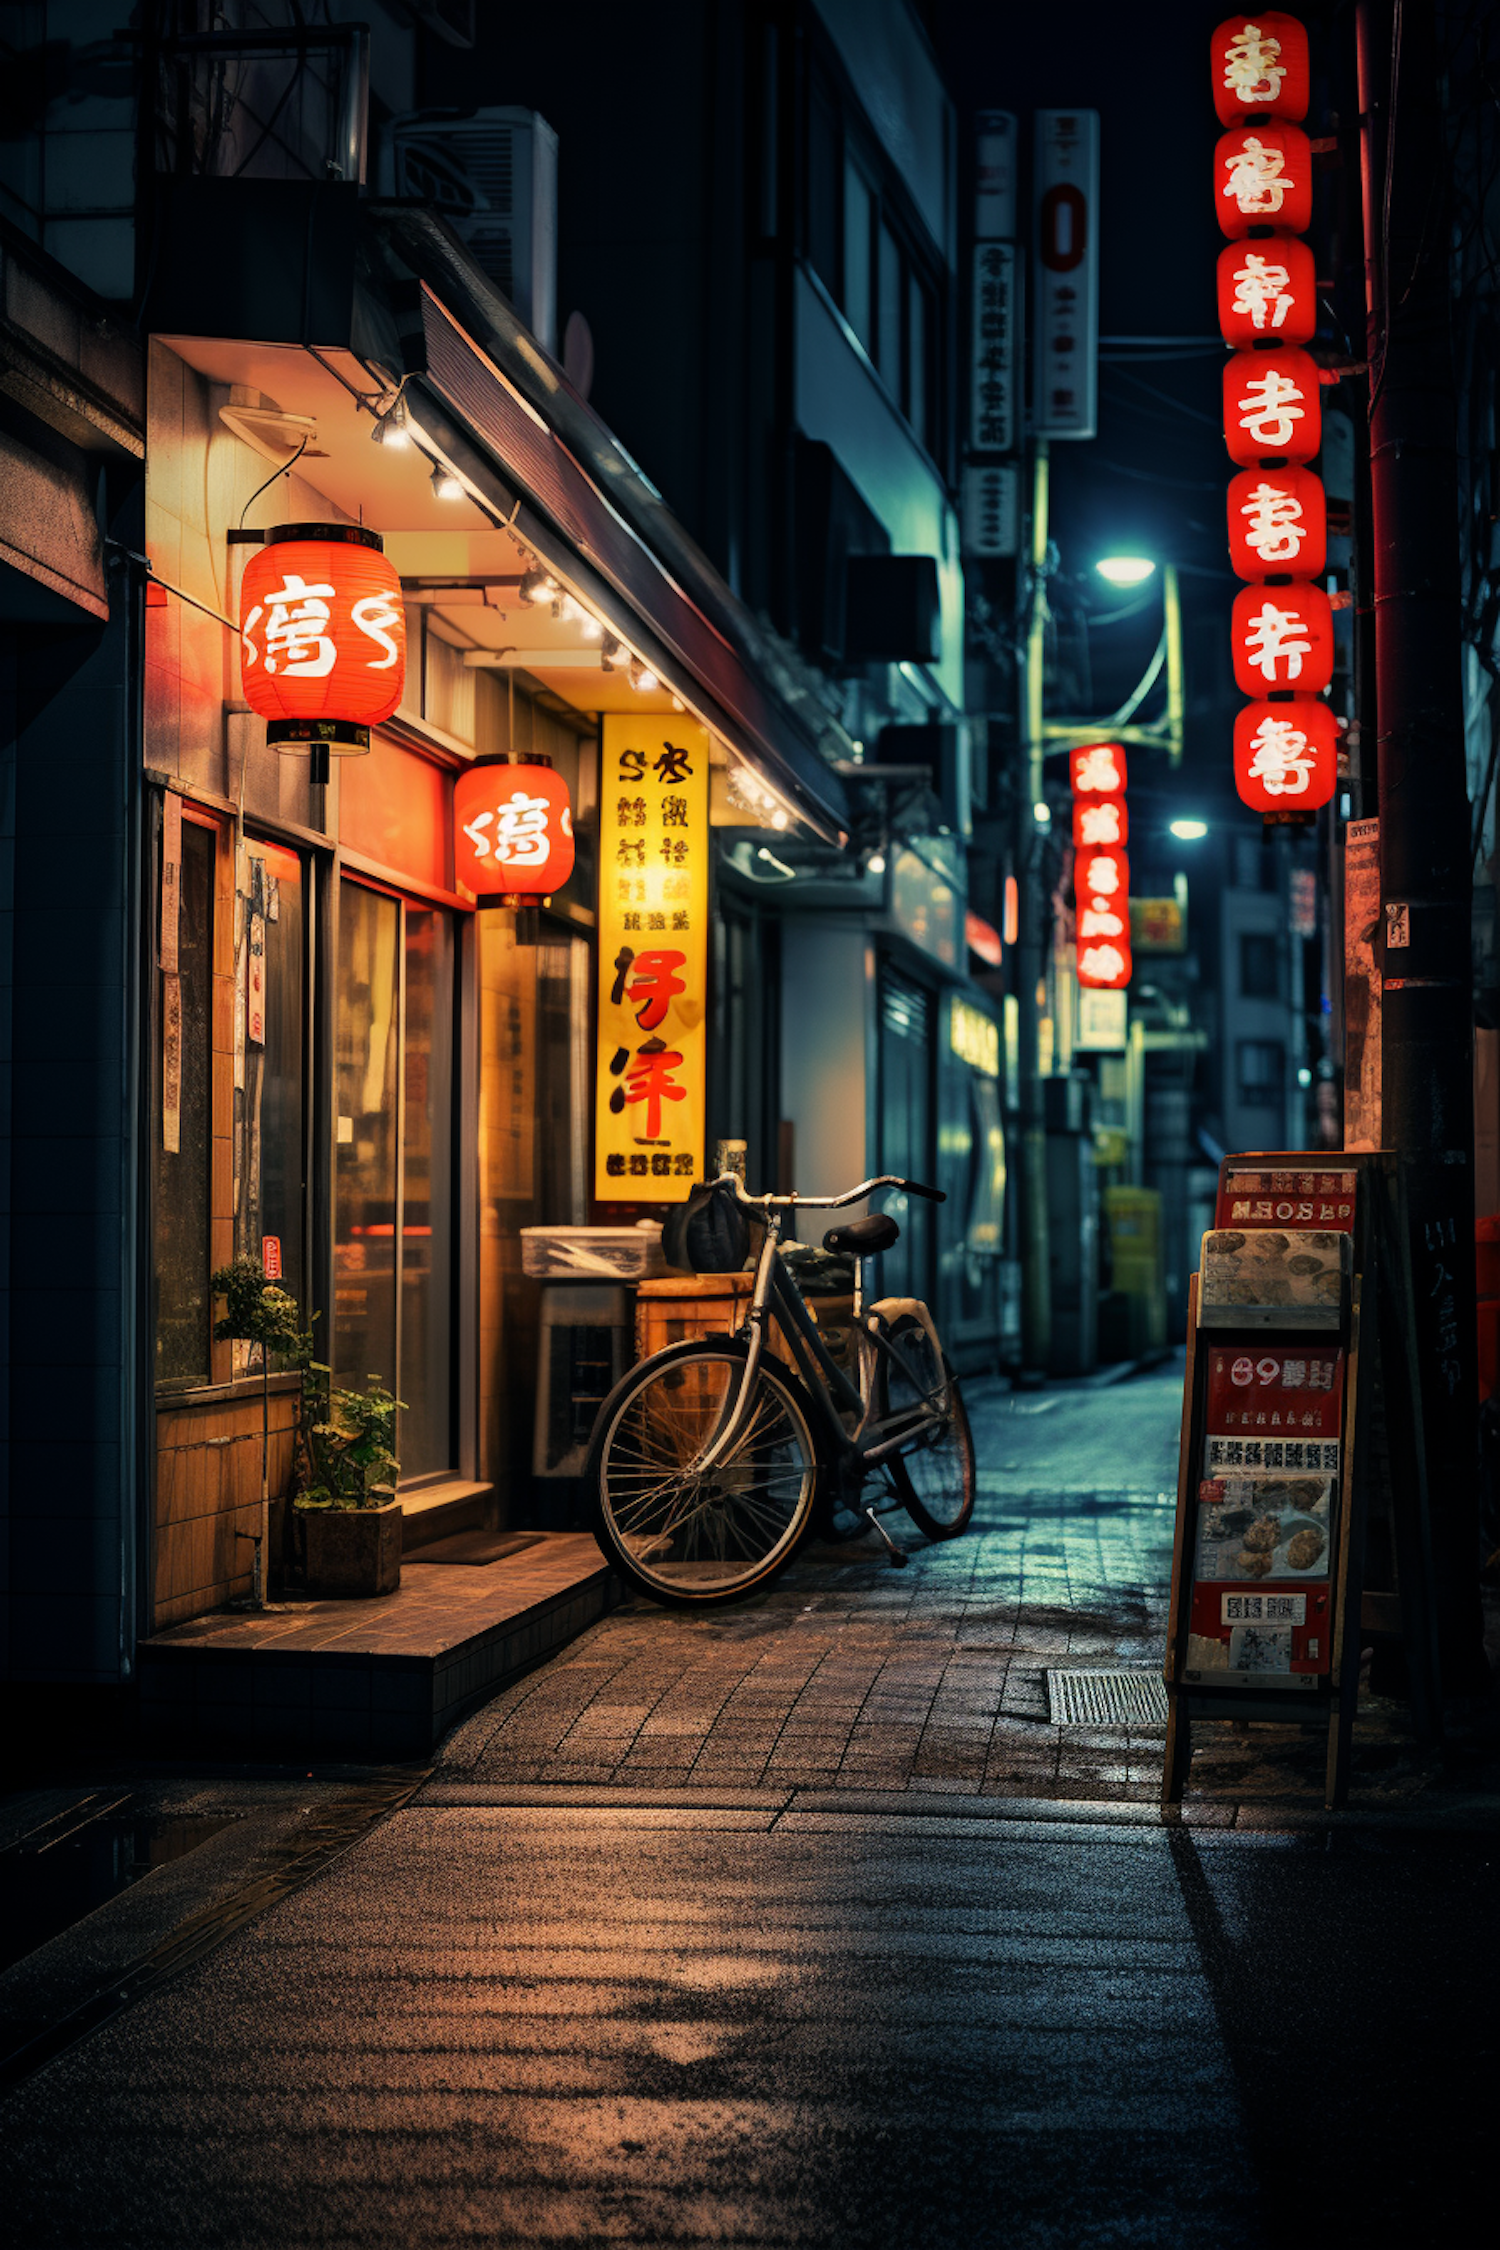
column 350, row 1441
column 347, row 1438
column 257, row 1312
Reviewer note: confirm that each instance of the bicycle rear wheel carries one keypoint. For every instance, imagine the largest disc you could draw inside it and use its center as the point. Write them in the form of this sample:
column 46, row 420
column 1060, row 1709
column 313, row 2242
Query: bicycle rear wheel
column 695, row 1537
column 935, row 1477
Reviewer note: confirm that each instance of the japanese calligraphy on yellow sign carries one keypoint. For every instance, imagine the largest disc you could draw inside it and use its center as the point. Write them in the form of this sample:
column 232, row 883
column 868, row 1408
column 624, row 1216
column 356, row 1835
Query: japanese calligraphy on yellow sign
column 653, row 959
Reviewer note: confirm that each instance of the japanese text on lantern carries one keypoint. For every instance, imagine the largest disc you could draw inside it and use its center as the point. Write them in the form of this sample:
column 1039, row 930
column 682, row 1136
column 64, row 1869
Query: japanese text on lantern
column 653, row 959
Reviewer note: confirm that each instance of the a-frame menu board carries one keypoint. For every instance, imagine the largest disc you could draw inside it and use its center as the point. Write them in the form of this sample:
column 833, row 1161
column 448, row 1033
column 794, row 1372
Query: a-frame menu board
column 1268, row 1555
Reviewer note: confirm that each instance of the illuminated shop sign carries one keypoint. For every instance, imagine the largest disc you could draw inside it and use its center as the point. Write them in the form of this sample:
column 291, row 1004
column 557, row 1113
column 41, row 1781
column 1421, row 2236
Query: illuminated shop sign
column 653, row 958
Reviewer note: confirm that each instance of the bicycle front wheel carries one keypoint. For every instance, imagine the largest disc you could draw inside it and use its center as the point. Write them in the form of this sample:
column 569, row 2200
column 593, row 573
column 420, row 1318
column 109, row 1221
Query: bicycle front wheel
column 690, row 1536
column 935, row 1476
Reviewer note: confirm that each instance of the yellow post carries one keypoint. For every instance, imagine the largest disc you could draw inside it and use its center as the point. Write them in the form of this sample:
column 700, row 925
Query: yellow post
column 1172, row 625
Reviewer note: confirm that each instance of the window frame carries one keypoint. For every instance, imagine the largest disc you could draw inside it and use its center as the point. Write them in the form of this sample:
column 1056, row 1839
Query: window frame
column 917, row 266
column 462, row 1329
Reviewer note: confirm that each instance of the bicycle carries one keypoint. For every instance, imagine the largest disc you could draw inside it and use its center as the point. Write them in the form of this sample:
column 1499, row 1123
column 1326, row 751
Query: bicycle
column 711, row 1460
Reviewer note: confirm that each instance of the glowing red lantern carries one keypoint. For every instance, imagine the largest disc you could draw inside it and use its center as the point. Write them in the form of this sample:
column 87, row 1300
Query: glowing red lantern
column 1283, row 638
column 322, row 638
column 1272, row 407
column 1278, row 524
column 1268, row 291
column 512, row 830
column 1286, row 755
column 1100, row 821
column 1102, row 874
column 1105, row 965
column 1263, row 178
column 1260, row 67
column 1098, row 770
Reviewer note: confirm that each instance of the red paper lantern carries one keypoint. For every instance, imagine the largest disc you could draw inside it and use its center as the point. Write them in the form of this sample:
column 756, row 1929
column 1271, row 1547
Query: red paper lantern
column 512, row 830
column 1286, row 755
column 1260, row 67
column 1104, row 964
column 1263, row 178
column 1283, row 638
column 322, row 636
column 1272, row 407
column 1278, row 524
column 1098, row 770
column 1268, row 291
column 1100, row 821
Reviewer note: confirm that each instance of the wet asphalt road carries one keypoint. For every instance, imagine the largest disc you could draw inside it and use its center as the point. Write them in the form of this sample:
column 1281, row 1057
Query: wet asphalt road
column 507, row 2026
column 540, row 2007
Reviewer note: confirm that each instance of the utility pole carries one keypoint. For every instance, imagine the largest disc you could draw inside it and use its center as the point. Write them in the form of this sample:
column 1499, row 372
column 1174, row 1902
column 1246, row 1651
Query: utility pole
column 1036, row 1248
column 1427, row 1063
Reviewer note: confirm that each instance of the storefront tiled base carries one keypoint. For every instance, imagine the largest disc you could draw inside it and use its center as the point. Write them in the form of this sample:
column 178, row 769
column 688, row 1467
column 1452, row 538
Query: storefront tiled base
column 375, row 1679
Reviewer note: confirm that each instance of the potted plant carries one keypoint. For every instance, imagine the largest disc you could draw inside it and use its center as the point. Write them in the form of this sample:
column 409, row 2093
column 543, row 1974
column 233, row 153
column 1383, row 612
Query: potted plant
column 256, row 1311
column 350, row 1514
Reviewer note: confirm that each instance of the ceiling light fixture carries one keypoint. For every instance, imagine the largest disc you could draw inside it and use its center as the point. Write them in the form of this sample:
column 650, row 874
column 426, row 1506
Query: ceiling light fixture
column 590, row 627
column 390, row 426
column 445, row 483
column 642, row 678
column 538, row 587
column 614, row 656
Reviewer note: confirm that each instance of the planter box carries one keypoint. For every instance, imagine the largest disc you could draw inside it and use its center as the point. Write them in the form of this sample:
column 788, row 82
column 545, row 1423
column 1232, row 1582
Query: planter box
column 352, row 1553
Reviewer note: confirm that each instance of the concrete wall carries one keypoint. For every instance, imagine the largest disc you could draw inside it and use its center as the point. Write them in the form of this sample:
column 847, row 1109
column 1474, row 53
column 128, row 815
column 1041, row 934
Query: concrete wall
column 827, row 1026
column 68, row 1194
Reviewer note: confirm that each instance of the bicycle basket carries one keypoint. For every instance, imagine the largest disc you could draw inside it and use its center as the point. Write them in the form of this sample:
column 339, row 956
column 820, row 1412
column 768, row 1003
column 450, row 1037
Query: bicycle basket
column 710, row 1233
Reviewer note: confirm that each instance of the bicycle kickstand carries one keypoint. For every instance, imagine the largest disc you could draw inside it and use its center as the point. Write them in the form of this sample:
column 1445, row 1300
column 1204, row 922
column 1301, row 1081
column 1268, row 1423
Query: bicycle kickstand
column 899, row 1558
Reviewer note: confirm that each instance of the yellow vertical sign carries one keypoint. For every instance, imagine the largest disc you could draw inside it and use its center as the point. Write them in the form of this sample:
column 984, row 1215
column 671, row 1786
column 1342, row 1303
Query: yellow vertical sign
column 653, row 959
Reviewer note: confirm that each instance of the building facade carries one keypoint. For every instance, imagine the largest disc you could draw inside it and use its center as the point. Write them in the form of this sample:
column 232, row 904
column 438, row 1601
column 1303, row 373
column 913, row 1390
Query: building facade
column 274, row 1021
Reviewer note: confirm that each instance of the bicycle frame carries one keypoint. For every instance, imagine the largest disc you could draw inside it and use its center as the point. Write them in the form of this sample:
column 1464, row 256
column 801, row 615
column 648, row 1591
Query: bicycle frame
column 831, row 1391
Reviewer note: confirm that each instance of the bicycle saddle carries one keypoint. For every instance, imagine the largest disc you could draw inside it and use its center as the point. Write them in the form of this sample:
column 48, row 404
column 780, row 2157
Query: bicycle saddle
column 862, row 1238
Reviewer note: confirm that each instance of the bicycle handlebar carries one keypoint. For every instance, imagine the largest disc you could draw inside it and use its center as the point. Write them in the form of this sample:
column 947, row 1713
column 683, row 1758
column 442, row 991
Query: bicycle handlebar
column 827, row 1202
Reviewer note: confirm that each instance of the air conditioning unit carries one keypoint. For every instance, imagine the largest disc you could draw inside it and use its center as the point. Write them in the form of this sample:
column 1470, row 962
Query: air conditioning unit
column 492, row 174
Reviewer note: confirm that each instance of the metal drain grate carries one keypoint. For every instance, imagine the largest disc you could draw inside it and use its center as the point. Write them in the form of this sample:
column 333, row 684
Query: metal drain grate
column 1107, row 1699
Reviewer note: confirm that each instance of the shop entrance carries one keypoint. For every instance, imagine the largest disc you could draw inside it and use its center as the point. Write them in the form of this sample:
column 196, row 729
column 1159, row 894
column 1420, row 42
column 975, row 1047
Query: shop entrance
column 394, row 1170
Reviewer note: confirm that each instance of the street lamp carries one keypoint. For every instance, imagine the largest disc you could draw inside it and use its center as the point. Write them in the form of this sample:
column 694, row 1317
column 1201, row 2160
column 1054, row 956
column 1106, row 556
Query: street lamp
column 1189, row 831
column 1126, row 570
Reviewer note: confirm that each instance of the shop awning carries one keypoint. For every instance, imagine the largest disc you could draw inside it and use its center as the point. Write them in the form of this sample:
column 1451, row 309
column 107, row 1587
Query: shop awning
column 705, row 638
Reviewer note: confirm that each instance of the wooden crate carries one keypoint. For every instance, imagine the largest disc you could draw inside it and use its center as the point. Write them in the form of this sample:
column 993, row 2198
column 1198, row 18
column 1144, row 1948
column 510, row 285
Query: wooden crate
column 677, row 1309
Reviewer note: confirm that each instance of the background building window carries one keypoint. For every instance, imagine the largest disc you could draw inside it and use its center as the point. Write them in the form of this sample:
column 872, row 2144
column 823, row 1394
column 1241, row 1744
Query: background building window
column 859, row 213
column 1261, row 1067
column 1258, row 965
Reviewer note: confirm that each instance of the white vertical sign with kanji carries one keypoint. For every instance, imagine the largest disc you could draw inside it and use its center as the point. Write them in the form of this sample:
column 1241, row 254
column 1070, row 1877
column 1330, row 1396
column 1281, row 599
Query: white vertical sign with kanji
column 1066, row 269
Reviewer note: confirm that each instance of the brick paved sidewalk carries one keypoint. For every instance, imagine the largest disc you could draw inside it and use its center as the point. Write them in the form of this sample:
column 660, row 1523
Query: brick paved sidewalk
column 849, row 1675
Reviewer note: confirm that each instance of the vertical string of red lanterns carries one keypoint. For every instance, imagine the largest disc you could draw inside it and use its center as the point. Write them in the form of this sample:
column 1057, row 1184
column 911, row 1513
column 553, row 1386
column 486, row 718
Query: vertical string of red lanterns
column 1285, row 739
column 1101, row 870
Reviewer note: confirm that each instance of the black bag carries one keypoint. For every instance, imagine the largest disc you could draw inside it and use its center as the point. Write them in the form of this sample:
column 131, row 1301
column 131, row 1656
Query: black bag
column 710, row 1233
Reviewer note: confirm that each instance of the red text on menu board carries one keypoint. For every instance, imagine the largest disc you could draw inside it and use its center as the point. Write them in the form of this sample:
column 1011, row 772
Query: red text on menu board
column 1301, row 1390
column 1287, row 1199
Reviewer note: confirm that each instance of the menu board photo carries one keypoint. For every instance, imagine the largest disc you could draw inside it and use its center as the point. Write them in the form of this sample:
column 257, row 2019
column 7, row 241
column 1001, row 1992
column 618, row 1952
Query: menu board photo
column 1265, row 1515
column 1255, row 1277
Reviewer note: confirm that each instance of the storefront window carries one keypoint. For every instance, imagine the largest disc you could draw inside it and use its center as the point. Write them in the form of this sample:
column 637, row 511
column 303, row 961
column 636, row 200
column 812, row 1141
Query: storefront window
column 427, row 1191
column 184, row 1126
column 271, row 1154
column 393, row 1213
column 367, row 1142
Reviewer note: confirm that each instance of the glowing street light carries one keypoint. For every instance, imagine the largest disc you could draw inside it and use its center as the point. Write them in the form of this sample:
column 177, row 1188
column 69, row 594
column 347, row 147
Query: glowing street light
column 1189, row 831
column 1126, row 570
